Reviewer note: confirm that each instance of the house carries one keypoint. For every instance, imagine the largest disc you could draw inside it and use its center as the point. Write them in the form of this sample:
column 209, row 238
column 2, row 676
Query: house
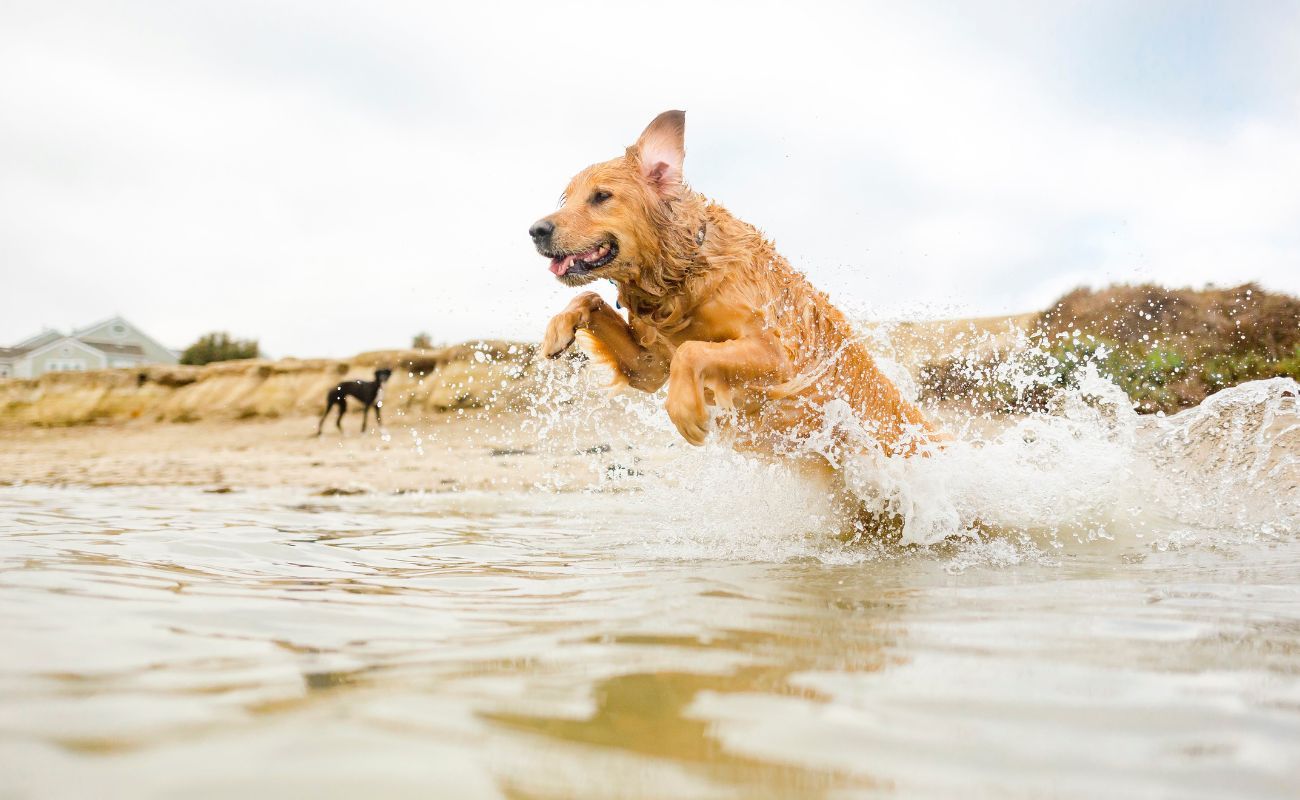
column 111, row 344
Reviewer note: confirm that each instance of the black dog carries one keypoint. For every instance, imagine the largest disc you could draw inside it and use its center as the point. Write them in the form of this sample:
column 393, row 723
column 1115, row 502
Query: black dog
column 368, row 392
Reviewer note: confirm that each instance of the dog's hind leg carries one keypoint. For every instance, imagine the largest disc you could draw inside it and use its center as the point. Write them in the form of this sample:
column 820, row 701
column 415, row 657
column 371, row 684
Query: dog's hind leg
column 343, row 406
column 365, row 414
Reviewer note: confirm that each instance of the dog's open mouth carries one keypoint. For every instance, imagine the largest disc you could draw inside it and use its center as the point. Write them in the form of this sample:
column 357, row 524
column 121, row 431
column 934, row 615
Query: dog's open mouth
column 585, row 261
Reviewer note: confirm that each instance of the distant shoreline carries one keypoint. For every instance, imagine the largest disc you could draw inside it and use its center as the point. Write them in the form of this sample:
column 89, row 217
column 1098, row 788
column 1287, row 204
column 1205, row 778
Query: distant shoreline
column 1167, row 348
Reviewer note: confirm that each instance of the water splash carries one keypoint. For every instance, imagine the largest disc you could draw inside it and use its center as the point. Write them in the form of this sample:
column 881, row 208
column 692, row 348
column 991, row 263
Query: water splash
column 1076, row 467
column 1233, row 462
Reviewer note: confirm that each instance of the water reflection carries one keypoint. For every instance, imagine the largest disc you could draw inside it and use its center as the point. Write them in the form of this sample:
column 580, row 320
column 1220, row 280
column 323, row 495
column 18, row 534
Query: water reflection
column 649, row 715
column 654, row 714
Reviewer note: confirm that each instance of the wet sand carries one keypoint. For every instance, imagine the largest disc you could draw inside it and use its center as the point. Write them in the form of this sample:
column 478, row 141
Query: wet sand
column 471, row 450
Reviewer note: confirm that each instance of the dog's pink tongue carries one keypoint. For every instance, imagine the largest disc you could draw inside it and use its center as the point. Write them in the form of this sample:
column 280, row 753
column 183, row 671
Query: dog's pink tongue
column 561, row 264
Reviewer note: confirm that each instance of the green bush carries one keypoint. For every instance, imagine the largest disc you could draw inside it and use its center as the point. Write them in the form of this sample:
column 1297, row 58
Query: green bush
column 219, row 346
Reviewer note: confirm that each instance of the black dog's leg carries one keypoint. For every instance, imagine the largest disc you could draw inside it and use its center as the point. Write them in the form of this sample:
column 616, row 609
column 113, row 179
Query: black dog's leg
column 329, row 405
column 378, row 405
column 365, row 413
column 343, row 406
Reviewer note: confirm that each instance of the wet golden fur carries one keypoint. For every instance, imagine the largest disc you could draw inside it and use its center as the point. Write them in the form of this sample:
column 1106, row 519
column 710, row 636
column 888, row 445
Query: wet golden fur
column 713, row 310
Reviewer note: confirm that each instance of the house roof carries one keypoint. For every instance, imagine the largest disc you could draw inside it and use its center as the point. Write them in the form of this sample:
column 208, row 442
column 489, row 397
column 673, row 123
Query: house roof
column 102, row 322
column 64, row 341
column 79, row 332
column 118, row 349
column 49, row 336
column 32, row 342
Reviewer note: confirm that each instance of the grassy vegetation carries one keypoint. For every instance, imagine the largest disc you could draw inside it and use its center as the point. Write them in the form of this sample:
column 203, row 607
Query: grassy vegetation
column 1168, row 349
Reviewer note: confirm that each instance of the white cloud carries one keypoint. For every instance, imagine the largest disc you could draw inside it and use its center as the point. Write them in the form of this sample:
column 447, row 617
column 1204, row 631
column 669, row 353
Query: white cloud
column 333, row 177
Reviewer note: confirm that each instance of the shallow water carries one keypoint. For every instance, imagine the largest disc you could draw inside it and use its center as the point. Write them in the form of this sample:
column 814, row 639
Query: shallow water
column 166, row 642
column 1085, row 604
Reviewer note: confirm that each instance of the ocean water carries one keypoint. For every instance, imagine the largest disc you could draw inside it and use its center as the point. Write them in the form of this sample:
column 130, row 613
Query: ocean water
column 1081, row 603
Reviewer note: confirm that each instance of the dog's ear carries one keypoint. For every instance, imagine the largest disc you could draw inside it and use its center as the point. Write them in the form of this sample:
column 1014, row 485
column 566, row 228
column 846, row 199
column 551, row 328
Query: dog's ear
column 662, row 149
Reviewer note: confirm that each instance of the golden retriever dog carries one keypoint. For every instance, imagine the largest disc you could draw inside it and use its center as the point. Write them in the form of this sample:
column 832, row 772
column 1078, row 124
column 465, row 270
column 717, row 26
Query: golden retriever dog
column 712, row 310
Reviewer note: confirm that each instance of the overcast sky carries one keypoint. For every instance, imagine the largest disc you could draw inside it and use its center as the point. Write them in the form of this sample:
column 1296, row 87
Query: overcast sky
column 333, row 177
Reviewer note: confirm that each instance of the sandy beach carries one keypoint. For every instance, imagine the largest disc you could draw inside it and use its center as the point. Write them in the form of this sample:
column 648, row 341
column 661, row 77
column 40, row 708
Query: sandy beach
column 452, row 452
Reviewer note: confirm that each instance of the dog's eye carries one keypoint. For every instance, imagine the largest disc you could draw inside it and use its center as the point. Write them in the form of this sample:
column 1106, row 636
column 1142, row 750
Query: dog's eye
column 600, row 196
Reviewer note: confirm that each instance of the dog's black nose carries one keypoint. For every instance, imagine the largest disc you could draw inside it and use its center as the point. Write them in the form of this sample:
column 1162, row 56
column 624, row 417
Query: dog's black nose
column 541, row 229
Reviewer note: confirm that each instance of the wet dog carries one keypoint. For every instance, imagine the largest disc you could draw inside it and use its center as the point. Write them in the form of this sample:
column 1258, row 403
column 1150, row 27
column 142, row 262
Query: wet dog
column 370, row 393
column 713, row 311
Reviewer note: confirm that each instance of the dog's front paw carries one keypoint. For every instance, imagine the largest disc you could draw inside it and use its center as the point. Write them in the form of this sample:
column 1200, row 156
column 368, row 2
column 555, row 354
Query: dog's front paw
column 562, row 327
column 560, row 333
